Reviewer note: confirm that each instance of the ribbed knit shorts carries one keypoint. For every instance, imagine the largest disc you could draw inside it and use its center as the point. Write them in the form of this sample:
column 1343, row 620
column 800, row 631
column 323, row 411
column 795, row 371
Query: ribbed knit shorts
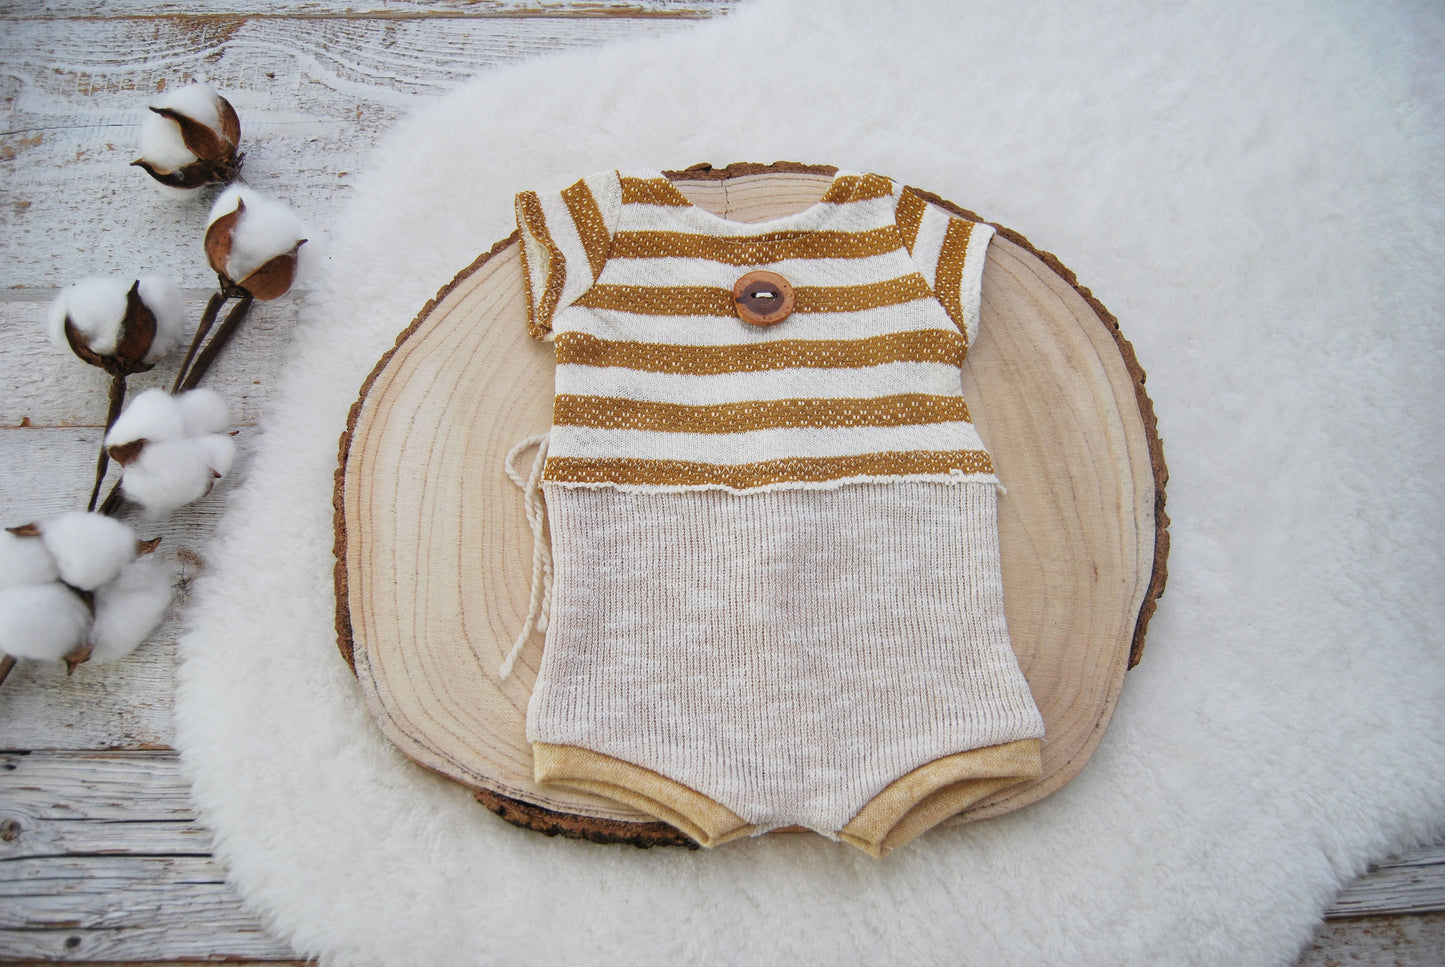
column 835, row 659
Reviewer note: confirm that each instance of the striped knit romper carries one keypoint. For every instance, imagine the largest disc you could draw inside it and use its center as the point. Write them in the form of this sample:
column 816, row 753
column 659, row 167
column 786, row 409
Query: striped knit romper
column 777, row 598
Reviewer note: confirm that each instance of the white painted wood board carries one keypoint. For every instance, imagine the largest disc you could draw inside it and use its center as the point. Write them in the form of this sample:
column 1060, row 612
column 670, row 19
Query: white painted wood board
column 313, row 95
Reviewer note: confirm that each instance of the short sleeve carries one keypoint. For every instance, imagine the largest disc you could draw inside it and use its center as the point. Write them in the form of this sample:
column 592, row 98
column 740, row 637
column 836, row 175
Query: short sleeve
column 949, row 251
column 565, row 239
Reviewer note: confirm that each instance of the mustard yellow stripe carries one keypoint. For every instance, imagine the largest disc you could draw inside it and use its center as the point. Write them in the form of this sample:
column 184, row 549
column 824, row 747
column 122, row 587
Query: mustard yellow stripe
column 647, row 300
column 590, row 227
column 539, row 311
column 848, row 188
column 950, row 269
column 613, row 413
column 651, row 191
column 755, row 250
column 924, row 346
column 627, row 471
column 909, row 216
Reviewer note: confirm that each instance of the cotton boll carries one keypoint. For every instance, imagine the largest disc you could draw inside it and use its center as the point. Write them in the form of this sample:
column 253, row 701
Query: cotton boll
column 154, row 415
column 190, row 139
column 45, row 622
column 161, row 144
column 203, row 411
column 162, row 298
column 167, row 475
column 128, row 609
column 253, row 241
column 219, row 450
column 89, row 549
column 168, row 448
column 25, row 561
column 95, row 308
column 121, row 325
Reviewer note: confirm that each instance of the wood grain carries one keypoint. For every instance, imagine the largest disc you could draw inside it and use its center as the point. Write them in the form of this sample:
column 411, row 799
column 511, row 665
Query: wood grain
column 1377, row 941
column 1413, row 883
column 102, row 858
column 423, row 489
column 384, row 9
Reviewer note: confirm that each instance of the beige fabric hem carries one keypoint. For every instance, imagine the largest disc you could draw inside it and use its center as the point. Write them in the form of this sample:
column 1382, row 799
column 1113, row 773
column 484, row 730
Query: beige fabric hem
column 908, row 807
column 706, row 821
column 933, row 792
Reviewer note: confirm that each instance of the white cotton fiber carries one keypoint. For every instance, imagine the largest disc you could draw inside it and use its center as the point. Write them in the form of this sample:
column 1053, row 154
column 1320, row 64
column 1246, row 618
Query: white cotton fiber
column 44, row 621
column 128, row 609
column 25, row 561
column 196, row 101
column 219, row 451
column 266, row 229
column 203, row 411
column 161, row 297
column 154, row 415
column 182, row 447
column 161, row 143
column 167, row 475
column 95, row 307
column 89, row 549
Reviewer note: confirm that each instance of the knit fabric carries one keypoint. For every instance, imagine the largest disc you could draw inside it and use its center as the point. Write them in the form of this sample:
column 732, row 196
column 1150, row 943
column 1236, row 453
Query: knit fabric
column 777, row 587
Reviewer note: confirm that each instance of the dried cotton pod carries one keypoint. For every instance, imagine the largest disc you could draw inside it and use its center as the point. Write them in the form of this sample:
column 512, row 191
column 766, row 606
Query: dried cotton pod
column 253, row 242
column 124, row 326
column 190, row 139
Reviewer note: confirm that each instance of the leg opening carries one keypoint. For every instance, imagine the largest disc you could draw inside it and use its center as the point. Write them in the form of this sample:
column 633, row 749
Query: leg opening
column 706, row 821
column 925, row 797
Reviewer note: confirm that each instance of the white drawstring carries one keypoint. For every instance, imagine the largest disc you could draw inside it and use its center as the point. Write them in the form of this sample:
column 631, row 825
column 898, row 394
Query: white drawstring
column 541, row 600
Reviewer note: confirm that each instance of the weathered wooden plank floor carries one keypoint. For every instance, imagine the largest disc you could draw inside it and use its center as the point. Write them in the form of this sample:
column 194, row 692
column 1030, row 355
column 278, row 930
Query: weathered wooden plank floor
column 101, row 856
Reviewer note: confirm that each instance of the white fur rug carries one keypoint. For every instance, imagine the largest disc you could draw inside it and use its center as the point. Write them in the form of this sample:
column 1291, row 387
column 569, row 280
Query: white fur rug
column 1255, row 189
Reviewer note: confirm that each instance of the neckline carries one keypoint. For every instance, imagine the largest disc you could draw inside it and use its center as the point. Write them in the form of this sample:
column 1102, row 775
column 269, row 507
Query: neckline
column 841, row 188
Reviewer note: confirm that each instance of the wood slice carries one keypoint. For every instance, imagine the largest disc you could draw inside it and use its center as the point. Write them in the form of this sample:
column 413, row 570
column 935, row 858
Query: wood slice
column 434, row 554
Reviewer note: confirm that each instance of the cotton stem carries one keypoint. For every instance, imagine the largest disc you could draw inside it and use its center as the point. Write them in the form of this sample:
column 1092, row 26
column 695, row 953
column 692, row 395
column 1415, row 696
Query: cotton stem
column 208, row 319
column 218, row 342
column 102, row 463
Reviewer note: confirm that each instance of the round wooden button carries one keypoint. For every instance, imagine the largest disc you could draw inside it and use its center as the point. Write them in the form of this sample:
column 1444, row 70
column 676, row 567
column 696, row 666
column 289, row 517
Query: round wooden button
column 763, row 298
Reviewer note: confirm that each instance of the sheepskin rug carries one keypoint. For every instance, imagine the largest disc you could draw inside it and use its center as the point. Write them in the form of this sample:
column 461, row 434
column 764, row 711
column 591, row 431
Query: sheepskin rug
column 1254, row 188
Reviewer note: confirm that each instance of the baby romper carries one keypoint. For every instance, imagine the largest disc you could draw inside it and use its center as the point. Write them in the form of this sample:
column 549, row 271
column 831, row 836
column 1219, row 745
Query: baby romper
column 776, row 598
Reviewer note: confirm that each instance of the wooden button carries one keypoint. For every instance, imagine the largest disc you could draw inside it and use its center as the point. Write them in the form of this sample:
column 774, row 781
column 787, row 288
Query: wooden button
column 763, row 298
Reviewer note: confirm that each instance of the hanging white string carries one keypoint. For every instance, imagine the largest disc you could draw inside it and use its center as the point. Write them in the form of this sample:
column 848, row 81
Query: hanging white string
column 535, row 508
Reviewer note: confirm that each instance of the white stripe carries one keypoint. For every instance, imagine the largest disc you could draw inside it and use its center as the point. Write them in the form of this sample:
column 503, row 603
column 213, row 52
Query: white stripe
column 971, row 289
column 676, row 271
column 929, row 246
column 565, row 237
column 889, row 379
column 607, row 192
column 918, row 315
column 756, row 445
column 856, row 216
